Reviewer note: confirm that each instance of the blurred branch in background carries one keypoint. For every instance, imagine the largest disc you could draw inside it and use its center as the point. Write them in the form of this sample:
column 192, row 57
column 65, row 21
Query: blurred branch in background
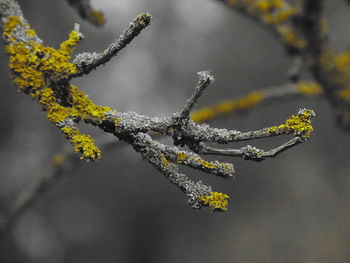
column 85, row 10
column 302, row 29
column 256, row 98
column 63, row 164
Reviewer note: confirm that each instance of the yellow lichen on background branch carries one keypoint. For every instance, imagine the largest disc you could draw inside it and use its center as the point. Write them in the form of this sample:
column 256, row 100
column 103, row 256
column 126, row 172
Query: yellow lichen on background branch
column 274, row 13
column 97, row 17
column 337, row 69
column 345, row 94
column 210, row 112
column 304, row 88
column 309, row 88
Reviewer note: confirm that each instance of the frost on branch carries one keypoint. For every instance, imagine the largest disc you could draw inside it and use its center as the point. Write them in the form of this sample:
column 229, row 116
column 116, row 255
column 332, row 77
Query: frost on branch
column 44, row 73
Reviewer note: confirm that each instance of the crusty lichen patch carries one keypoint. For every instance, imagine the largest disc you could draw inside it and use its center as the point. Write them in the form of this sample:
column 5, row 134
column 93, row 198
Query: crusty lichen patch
column 215, row 201
column 43, row 72
column 82, row 143
column 299, row 124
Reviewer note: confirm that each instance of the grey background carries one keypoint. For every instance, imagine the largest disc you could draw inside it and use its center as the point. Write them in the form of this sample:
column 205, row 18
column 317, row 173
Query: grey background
column 294, row 208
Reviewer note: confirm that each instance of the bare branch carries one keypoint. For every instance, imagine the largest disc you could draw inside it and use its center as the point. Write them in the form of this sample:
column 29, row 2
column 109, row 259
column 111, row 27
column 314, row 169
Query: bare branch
column 205, row 78
column 86, row 62
column 252, row 153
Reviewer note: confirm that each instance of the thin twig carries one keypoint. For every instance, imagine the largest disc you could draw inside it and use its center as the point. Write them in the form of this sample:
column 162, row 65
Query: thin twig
column 86, row 62
column 252, row 153
column 205, row 79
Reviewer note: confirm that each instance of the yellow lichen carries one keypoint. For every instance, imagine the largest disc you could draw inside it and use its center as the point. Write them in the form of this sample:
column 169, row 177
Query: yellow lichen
column 11, row 23
column 116, row 122
column 143, row 16
column 309, row 88
column 343, row 60
column 345, row 94
column 35, row 68
column 228, row 167
column 204, row 163
column 31, row 33
column 299, row 124
column 163, row 159
column 82, row 143
column 181, row 157
column 282, row 16
column 211, row 112
column 58, row 159
column 29, row 61
column 68, row 46
column 289, row 37
column 342, row 68
column 275, row 13
column 97, row 17
column 85, row 108
column 337, row 67
column 232, row 2
column 215, row 201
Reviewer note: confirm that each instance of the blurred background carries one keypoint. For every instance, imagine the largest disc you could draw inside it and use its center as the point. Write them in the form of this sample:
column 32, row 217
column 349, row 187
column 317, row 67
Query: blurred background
column 294, row 208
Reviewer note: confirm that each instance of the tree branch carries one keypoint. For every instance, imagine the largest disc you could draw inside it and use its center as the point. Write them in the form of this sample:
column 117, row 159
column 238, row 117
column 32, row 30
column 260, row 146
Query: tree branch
column 86, row 62
column 44, row 74
column 252, row 153
column 256, row 98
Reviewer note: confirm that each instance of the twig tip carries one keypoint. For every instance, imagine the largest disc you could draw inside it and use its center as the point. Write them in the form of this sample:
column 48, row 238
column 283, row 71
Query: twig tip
column 206, row 76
